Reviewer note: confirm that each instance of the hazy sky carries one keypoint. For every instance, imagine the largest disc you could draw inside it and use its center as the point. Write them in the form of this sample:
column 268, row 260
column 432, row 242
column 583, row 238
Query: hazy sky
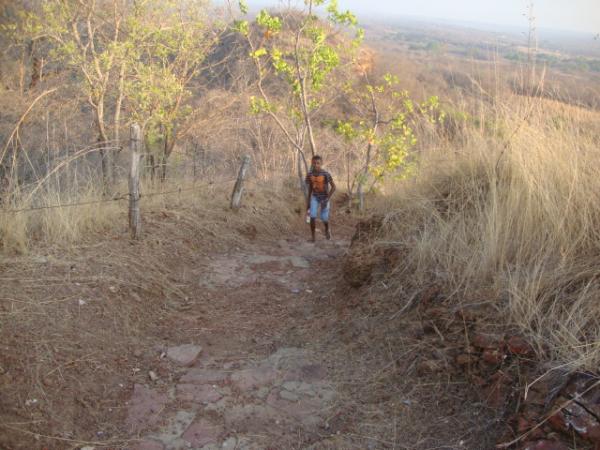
column 576, row 15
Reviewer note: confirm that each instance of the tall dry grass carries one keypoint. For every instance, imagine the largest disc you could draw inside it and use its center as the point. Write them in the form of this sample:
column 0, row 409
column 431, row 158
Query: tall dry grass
column 267, row 207
column 520, row 221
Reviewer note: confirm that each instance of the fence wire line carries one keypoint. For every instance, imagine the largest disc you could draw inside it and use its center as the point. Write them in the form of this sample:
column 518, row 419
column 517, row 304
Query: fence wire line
column 114, row 199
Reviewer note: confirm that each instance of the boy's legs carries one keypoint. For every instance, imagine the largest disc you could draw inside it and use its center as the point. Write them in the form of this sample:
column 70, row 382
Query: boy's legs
column 325, row 219
column 314, row 209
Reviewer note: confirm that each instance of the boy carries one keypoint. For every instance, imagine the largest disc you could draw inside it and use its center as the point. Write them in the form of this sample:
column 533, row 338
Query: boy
column 319, row 193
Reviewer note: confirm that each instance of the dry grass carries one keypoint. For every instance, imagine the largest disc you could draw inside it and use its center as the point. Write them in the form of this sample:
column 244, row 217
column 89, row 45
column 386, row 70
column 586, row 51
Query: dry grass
column 25, row 229
column 521, row 223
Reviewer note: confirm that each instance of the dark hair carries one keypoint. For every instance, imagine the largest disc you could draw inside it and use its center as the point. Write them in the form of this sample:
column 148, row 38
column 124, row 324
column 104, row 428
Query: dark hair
column 317, row 158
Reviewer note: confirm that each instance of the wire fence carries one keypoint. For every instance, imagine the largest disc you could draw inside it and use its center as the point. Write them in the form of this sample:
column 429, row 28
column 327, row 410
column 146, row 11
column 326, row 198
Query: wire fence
column 116, row 198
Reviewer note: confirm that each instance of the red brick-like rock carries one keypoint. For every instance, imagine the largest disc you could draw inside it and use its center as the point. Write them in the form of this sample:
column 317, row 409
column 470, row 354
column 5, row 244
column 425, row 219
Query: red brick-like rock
column 493, row 357
column 487, row 341
column 519, row 346
column 575, row 418
column 144, row 407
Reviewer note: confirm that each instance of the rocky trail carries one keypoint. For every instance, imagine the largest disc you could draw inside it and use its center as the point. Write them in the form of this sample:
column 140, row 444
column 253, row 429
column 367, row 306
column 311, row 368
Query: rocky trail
column 242, row 381
column 256, row 342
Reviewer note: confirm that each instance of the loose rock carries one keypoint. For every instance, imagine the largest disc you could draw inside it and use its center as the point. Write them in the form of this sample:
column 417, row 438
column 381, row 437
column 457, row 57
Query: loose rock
column 184, row 355
column 145, row 405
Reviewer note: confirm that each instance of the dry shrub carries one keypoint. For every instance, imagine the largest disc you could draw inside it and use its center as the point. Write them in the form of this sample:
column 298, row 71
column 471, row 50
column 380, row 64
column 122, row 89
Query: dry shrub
column 520, row 221
column 13, row 233
column 26, row 221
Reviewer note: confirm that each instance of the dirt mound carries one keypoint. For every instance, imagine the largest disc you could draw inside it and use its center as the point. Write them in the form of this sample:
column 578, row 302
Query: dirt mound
column 361, row 259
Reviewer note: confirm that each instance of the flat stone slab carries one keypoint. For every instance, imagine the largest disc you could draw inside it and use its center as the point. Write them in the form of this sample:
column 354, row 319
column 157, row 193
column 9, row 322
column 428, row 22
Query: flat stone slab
column 203, row 393
column 201, row 433
column 204, row 376
column 254, row 418
column 308, row 372
column 299, row 262
column 145, row 407
column 184, row 355
column 245, row 408
column 253, row 378
column 171, row 431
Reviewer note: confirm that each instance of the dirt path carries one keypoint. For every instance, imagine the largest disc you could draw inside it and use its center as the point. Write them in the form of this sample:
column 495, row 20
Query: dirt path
column 241, row 380
column 249, row 342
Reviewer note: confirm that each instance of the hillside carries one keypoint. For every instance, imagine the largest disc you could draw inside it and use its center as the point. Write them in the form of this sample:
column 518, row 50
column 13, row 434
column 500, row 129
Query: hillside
column 455, row 306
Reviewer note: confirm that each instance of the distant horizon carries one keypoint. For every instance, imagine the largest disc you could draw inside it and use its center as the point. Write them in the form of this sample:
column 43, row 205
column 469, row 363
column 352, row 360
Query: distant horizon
column 480, row 25
column 550, row 18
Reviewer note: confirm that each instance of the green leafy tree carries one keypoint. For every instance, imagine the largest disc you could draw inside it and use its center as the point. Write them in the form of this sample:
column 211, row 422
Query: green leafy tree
column 166, row 49
column 381, row 134
column 18, row 43
column 86, row 37
column 306, row 53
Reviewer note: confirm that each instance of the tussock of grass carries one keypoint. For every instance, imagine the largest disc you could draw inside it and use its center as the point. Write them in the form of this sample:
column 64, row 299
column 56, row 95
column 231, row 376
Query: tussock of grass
column 521, row 222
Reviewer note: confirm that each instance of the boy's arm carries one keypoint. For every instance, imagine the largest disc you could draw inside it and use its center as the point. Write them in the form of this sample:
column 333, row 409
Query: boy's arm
column 332, row 189
column 309, row 195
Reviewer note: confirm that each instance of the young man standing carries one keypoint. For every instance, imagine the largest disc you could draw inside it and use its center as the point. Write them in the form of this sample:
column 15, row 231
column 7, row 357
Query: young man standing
column 320, row 190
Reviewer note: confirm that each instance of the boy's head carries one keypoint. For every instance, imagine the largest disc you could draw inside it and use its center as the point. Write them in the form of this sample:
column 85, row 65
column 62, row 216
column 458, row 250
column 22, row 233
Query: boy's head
column 317, row 162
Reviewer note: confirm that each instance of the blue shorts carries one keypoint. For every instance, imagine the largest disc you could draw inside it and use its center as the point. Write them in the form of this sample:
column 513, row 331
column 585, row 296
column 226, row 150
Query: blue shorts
column 315, row 205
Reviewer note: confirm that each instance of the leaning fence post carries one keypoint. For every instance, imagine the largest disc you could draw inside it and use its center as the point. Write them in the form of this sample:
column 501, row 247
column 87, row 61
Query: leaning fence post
column 238, row 189
column 135, row 221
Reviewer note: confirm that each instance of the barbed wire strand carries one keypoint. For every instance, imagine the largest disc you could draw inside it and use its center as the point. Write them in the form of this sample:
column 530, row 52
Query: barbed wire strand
column 116, row 199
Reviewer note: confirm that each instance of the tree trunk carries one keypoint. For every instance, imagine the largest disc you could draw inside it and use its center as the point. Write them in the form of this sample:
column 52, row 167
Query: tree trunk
column 105, row 154
column 169, row 145
column 163, row 168
column 152, row 164
column 36, row 72
column 301, row 176
column 361, row 197
column 117, row 120
column 238, row 189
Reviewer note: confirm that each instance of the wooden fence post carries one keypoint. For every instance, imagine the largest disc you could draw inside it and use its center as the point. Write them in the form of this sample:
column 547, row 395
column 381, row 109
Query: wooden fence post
column 135, row 221
column 238, row 189
column 301, row 178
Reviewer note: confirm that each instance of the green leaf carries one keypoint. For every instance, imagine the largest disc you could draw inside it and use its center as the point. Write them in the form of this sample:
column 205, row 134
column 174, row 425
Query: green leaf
column 242, row 27
column 258, row 53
